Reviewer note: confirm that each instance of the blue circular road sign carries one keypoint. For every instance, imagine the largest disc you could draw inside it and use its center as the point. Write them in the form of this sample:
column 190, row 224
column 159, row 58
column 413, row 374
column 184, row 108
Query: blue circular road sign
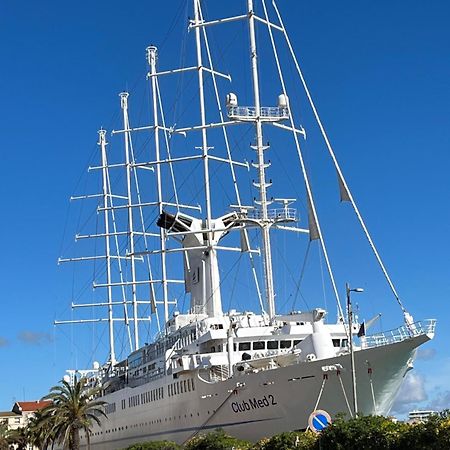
column 318, row 420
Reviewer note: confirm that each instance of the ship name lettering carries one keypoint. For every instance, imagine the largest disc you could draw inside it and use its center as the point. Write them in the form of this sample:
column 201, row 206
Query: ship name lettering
column 253, row 403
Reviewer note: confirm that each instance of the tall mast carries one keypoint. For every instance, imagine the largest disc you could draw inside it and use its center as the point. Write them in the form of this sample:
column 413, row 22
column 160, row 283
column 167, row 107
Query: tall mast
column 106, row 194
column 261, row 167
column 126, row 126
column 204, row 147
column 152, row 54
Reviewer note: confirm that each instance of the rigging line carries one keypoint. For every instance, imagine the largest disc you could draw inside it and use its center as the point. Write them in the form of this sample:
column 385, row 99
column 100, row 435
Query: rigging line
column 233, row 392
column 345, row 395
column 336, row 164
column 305, row 174
column 119, row 263
column 182, row 60
column 369, row 370
column 144, row 229
column 233, row 287
column 302, row 272
column 325, row 378
column 166, row 139
column 280, row 254
column 323, row 280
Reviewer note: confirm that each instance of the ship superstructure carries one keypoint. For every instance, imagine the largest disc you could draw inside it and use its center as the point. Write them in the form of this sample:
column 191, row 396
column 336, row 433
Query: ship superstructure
column 209, row 366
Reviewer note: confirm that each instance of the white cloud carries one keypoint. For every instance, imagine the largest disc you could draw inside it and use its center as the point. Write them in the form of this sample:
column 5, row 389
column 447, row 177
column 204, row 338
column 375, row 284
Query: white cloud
column 34, row 338
column 426, row 353
column 440, row 402
column 411, row 393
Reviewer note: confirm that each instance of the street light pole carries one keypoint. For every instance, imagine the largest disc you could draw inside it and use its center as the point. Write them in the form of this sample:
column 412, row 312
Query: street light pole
column 352, row 353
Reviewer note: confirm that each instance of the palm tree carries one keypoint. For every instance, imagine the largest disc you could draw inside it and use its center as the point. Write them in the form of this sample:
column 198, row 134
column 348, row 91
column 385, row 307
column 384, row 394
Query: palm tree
column 73, row 408
column 19, row 438
column 40, row 429
column 3, row 436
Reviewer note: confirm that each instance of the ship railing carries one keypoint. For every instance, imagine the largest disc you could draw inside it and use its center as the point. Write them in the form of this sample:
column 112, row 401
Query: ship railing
column 399, row 334
column 218, row 373
column 266, row 113
column 276, row 214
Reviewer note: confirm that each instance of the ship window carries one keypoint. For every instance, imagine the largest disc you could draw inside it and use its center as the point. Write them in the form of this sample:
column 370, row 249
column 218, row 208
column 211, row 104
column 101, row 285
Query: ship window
column 259, row 345
column 213, row 349
column 184, row 385
column 285, row 344
column 181, row 387
column 244, row 346
column 344, row 343
column 297, row 341
column 336, row 342
column 192, row 384
column 272, row 345
column 178, row 387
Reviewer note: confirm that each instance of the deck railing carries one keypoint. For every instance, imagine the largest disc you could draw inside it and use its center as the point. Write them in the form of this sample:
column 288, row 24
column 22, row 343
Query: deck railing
column 282, row 214
column 399, row 334
column 271, row 113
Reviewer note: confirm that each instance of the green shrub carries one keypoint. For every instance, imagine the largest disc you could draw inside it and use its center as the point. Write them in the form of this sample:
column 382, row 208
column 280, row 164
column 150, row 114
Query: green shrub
column 217, row 440
column 289, row 440
column 362, row 432
column 155, row 445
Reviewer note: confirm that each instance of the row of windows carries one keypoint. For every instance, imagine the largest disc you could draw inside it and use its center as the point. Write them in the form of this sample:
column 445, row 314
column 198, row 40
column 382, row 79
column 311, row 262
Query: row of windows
column 180, row 387
column 271, row 345
column 146, row 424
column 145, row 397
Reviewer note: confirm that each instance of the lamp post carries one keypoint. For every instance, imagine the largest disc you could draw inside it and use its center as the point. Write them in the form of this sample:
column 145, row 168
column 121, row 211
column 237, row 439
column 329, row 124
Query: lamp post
column 352, row 354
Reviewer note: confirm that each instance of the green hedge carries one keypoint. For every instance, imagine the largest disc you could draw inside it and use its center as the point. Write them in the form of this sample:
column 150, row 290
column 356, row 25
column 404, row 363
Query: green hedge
column 361, row 433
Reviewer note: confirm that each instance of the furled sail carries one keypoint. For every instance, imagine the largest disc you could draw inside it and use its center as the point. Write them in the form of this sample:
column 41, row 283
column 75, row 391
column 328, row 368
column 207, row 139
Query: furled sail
column 312, row 224
column 343, row 190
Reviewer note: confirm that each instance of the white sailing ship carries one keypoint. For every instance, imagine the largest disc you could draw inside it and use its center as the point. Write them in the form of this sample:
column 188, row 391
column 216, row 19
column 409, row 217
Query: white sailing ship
column 252, row 374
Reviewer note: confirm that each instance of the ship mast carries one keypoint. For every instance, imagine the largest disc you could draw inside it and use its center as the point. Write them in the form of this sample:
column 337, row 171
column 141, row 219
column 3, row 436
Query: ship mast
column 105, row 191
column 261, row 166
column 204, row 147
column 126, row 126
column 151, row 59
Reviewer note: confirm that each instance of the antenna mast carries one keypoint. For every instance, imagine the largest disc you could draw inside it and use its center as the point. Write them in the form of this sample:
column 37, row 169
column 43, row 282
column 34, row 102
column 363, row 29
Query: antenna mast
column 261, row 166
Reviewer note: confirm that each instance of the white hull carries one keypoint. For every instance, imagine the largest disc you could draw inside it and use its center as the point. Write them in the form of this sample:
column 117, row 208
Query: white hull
column 268, row 402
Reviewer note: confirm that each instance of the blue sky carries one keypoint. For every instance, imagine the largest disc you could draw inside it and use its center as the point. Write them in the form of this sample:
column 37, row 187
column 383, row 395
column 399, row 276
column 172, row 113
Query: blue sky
column 380, row 75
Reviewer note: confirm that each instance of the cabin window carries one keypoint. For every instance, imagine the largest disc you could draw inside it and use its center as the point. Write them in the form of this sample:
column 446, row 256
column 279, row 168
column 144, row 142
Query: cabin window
column 285, row 344
column 184, row 385
column 336, row 342
column 259, row 345
column 272, row 345
column 213, row 349
column 297, row 341
column 243, row 346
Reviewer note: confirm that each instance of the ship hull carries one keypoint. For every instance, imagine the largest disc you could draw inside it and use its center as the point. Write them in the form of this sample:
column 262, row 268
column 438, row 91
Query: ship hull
column 256, row 405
